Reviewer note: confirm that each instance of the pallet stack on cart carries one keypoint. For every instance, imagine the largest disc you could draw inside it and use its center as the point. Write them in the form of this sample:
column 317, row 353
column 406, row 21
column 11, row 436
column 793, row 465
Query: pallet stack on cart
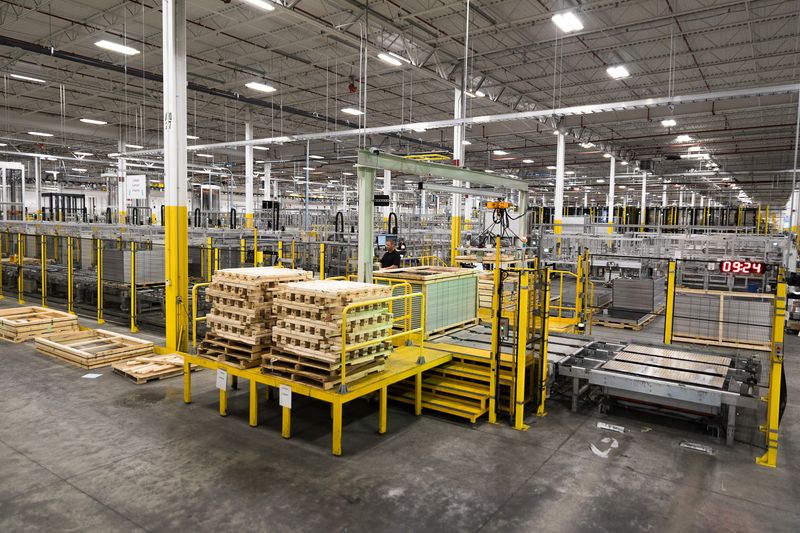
column 239, row 324
column 307, row 338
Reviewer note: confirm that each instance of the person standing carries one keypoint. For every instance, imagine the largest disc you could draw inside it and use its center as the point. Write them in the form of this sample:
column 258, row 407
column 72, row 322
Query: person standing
column 391, row 259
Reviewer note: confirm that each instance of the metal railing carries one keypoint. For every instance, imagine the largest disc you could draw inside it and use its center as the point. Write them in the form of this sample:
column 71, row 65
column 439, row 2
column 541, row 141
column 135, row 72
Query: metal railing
column 195, row 318
column 371, row 342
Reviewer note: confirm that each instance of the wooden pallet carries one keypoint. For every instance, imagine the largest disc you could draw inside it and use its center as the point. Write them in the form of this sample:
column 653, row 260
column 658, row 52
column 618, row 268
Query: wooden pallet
column 625, row 325
column 234, row 352
column 151, row 367
column 93, row 348
column 324, row 379
column 19, row 324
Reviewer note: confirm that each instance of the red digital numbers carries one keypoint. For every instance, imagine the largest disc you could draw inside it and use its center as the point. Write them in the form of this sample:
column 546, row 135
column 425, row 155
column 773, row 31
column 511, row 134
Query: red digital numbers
column 741, row 267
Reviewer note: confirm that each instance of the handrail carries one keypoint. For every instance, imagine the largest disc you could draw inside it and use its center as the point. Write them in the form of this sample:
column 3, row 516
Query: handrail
column 561, row 307
column 195, row 318
column 426, row 260
column 364, row 344
column 393, row 283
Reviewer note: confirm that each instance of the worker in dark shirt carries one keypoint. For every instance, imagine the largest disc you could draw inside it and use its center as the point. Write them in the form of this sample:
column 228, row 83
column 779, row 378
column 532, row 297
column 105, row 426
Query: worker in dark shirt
column 391, row 259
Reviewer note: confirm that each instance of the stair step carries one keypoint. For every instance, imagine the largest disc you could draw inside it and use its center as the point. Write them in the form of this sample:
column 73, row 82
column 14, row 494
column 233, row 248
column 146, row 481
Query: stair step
column 464, row 370
column 458, row 387
column 440, row 403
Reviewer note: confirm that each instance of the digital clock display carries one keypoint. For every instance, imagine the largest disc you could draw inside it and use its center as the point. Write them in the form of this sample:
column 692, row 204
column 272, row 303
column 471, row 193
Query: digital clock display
column 742, row 267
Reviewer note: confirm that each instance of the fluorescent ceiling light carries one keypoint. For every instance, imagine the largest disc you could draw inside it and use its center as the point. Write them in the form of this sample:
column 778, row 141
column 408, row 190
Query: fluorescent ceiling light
column 695, row 148
column 567, row 22
column 386, row 58
column 192, row 137
column 480, row 94
column 81, row 154
column 624, row 163
column 622, row 187
column 352, row 111
column 3, row 144
column 315, row 157
column 527, row 161
column 618, row 72
column 420, row 130
column 607, row 155
column 94, row 121
column 134, row 146
column 40, row 134
column 116, row 47
column 555, row 132
column 264, row 148
column 587, row 145
column 683, row 139
column 500, row 152
column 669, row 123
column 78, row 169
column 347, row 174
column 308, row 168
column 601, row 180
column 262, row 87
column 26, row 78
column 262, row 4
column 260, row 161
column 54, row 172
column 208, row 156
column 466, row 143
column 489, row 171
column 551, row 167
column 569, row 172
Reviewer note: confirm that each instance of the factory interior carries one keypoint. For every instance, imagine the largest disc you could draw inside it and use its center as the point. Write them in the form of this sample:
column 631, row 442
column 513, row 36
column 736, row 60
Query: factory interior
column 384, row 265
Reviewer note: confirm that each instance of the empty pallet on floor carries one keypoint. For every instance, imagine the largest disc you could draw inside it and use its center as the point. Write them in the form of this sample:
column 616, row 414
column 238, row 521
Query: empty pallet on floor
column 19, row 324
column 93, row 348
column 150, row 367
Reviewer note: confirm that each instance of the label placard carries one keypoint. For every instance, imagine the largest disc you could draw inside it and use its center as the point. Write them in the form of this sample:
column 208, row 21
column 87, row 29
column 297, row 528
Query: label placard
column 136, row 186
column 222, row 379
column 285, row 396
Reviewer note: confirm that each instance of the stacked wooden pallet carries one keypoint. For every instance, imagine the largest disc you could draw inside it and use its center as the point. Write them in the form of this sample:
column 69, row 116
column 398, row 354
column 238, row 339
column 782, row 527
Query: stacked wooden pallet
column 93, row 348
column 486, row 292
column 20, row 324
column 307, row 337
column 150, row 367
column 240, row 321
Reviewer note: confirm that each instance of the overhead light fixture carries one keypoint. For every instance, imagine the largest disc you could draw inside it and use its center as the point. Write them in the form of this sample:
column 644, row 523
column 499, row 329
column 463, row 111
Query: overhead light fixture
column 624, row 163
column 308, row 168
column 26, row 78
column 622, row 187
column 263, row 148
column 489, row 171
column 116, row 47
column 587, row 145
column 316, row 157
column 466, row 143
column 3, row 144
column 78, row 169
column 551, row 167
column 607, row 155
column 260, row 161
column 669, row 123
column 134, row 146
column 420, row 130
column 386, row 58
column 683, row 139
column 40, row 134
column 567, row 22
column 352, row 111
column 527, row 161
column 208, row 156
column 94, row 121
column 192, row 137
column 569, row 172
column 618, row 72
column 601, row 180
column 347, row 174
column 695, row 148
column 81, row 154
column 480, row 94
column 261, row 87
column 261, row 4
column 500, row 152
column 555, row 132
column 54, row 172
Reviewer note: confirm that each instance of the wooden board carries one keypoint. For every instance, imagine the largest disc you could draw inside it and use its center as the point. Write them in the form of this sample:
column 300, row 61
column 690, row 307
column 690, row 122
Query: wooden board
column 151, row 367
column 19, row 324
column 93, row 348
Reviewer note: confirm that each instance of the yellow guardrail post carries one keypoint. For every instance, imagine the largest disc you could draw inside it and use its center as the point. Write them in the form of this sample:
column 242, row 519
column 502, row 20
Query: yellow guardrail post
column 242, row 252
column 321, row 260
column 255, row 248
column 208, row 257
column 293, row 256
column 773, row 398
column 134, row 328
column 540, row 410
column 195, row 318
column 522, row 351
column 70, row 277
column 100, row 319
column 669, row 311
column 495, row 354
column 43, row 254
column 280, row 252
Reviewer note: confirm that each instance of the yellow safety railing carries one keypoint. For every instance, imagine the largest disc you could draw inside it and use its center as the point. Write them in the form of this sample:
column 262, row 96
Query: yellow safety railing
column 394, row 284
column 195, row 318
column 425, row 260
column 371, row 342
column 560, row 306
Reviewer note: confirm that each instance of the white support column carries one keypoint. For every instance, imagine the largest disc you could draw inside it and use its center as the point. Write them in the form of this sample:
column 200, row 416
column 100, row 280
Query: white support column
column 558, row 201
column 387, row 190
column 122, row 193
column 643, row 206
column 176, row 235
column 267, row 181
column 366, row 208
column 459, row 154
column 692, row 204
column 423, row 203
column 680, row 198
column 612, row 173
column 248, row 172
column 37, row 175
column 522, row 202
column 585, row 199
column 664, row 195
column 794, row 212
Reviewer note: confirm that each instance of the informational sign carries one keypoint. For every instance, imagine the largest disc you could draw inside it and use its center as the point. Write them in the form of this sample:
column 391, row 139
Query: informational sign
column 285, row 396
column 742, row 267
column 222, row 379
column 381, row 200
column 136, row 186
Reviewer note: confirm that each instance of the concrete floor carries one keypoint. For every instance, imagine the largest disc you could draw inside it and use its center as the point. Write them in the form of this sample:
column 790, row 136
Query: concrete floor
column 107, row 455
